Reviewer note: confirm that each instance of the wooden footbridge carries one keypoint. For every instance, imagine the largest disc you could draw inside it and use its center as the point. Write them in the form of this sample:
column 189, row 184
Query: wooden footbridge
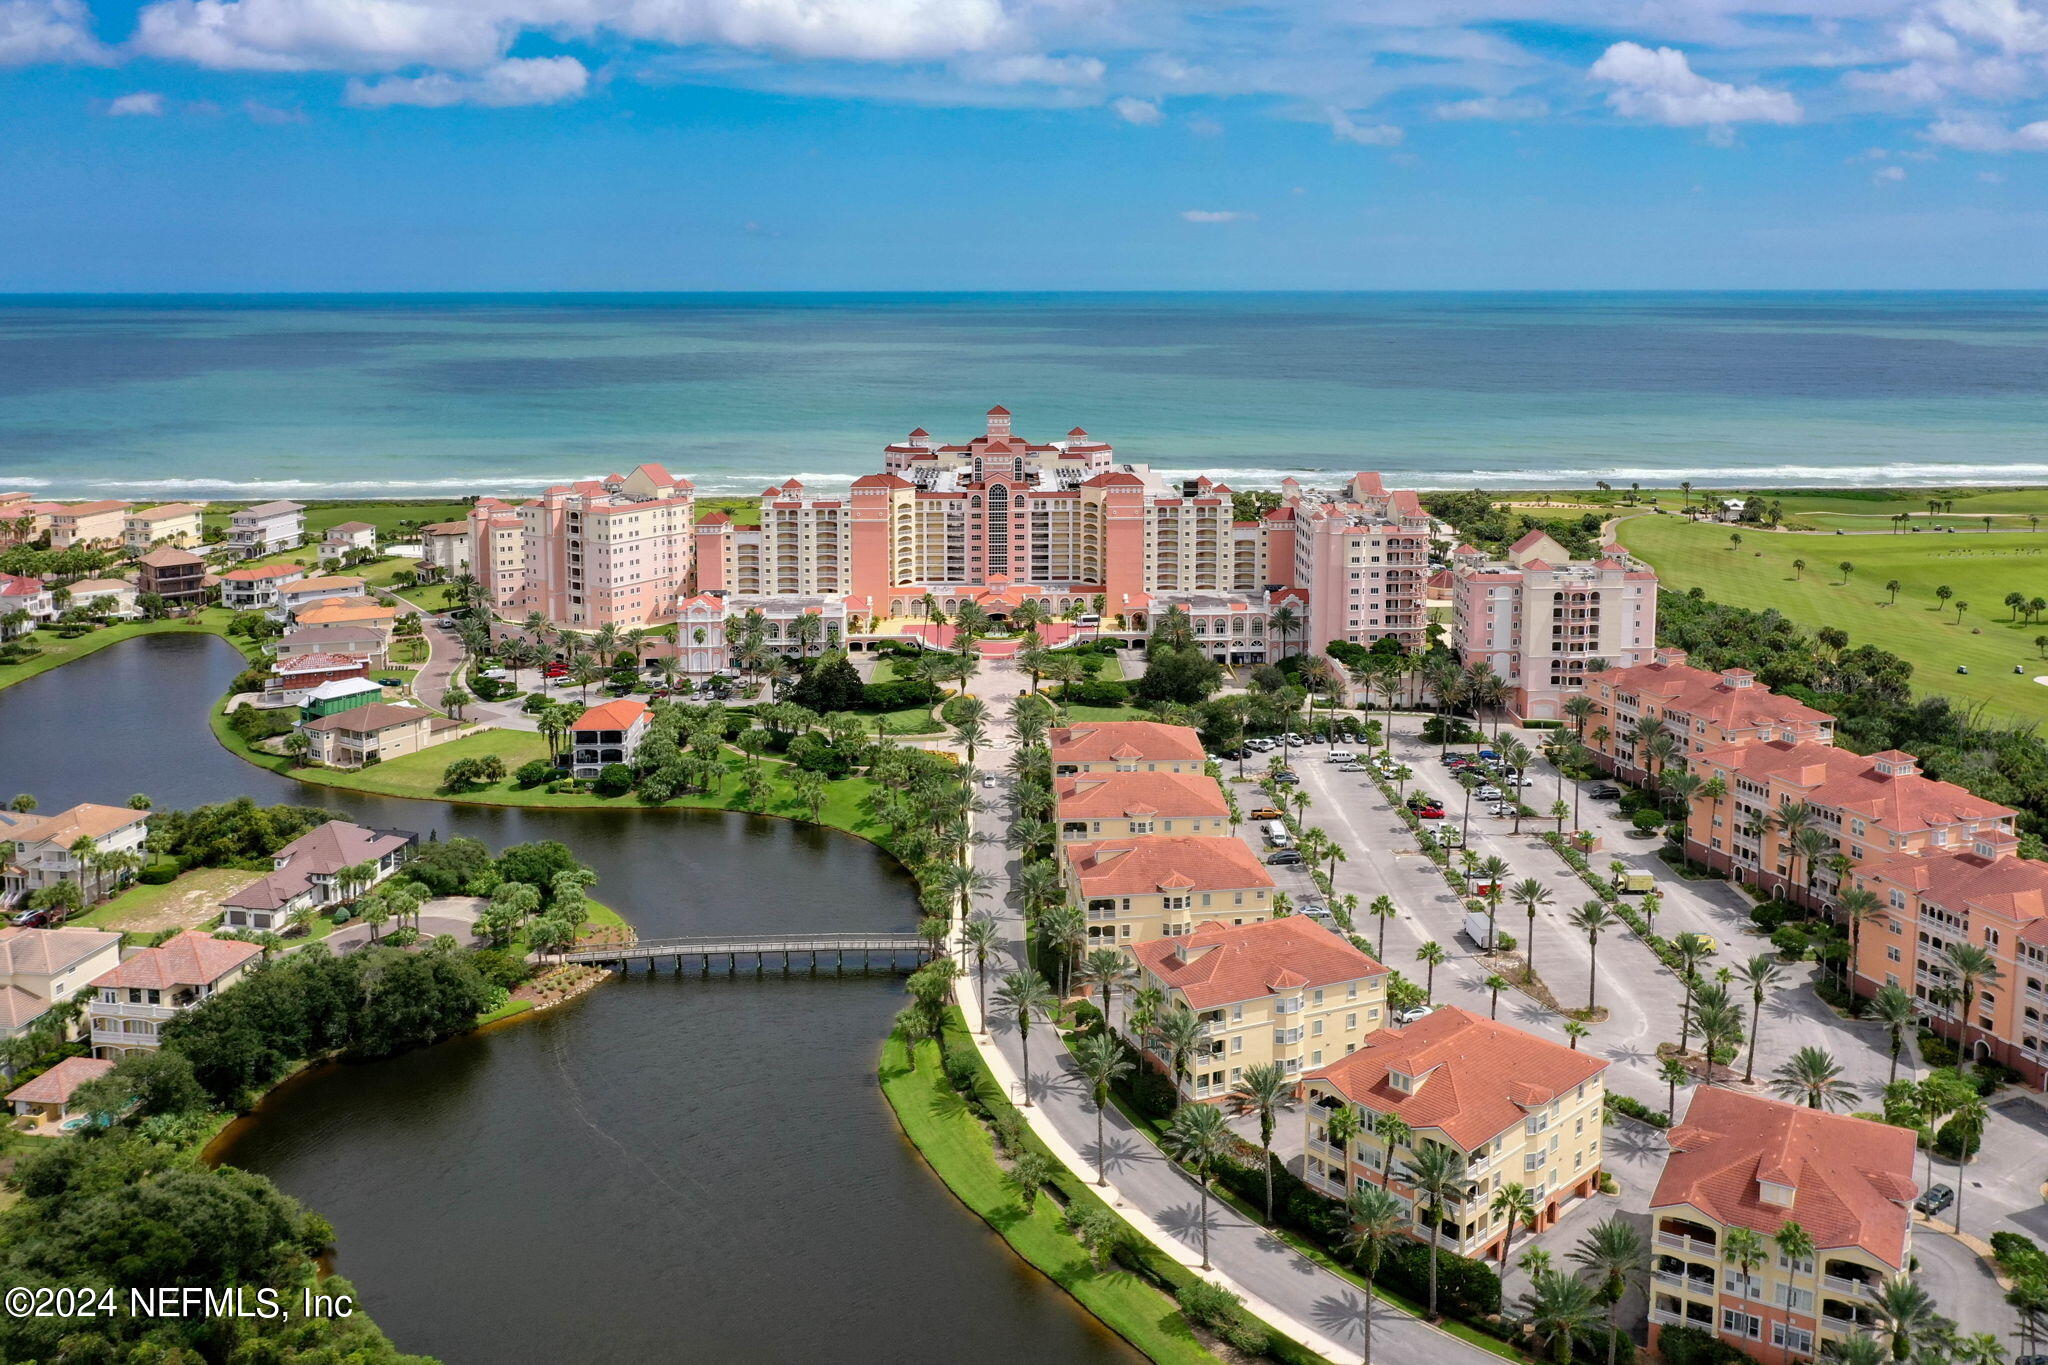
column 789, row 952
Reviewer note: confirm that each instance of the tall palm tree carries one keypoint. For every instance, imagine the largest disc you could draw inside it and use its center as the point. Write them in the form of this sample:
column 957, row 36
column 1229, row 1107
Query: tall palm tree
column 1691, row 950
column 1064, row 931
column 1788, row 820
column 1437, row 1175
column 982, row 937
column 1262, row 1090
column 1559, row 1309
column 1744, row 1248
column 1199, row 1136
column 1025, row 996
column 1532, row 896
column 1795, row 1244
column 1614, row 1253
column 1967, row 1122
column 1893, row 1008
column 1514, row 1202
column 1593, row 919
column 1179, row 1031
column 1903, row 1310
column 1103, row 971
column 1392, row 1130
column 1373, row 1220
column 1431, row 954
column 1383, row 910
column 1760, row 973
column 1974, row 966
column 1813, row 1078
column 1102, row 1063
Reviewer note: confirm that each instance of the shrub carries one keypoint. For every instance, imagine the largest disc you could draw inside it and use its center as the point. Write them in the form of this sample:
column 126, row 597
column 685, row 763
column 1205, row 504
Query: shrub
column 1647, row 821
column 1768, row 916
column 1096, row 692
column 1791, row 942
column 1949, row 1142
column 501, row 968
column 962, row 1073
column 1208, row 1305
column 1008, row 1127
column 1936, row 1050
column 1155, row 1095
column 1692, row 1346
column 897, row 696
column 533, row 772
column 1636, row 1109
column 614, row 779
column 160, row 872
column 1465, row 1288
column 2019, row 1256
column 1246, row 1338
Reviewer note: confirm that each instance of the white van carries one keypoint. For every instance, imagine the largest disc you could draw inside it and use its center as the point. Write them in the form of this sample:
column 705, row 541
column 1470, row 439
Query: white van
column 1340, row 756
column 1276, row 834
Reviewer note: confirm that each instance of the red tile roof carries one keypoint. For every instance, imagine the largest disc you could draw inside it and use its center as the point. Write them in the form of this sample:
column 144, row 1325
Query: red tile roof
column 47, row 952
column 60, row 1082
column 2016, row 888
column 261, row 573
column 1219, row 964
column 191, row 959
column 1478, row 1077
column 87, row 819
column 1710, row 696
column 1126, row 867
column 1102, row 741
column 1902, row 800
column 1095, row 796
column 612, row 715
column 1851, row 1178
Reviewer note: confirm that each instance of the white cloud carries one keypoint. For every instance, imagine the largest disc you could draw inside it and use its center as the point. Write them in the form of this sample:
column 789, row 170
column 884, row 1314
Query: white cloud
column 1365, row 134
column 1130, row 109
column 1034, row 69
column 1660, row 85
column 141, row 104
column 1217, row 216
column 517, row 81
column 1972, row 134
column 47, row 31
column 259, row 112
column 1491, row 107
column 1888, row 175
column 2005, row 24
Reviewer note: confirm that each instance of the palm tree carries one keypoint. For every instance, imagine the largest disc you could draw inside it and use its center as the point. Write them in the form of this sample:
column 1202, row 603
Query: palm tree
column 1103, row 971
column 1559, row 1309
column 1893, row 1008
column 1495, row 984
column 1691, row 949
column 1064, row 931
column 1760, row 973
column 1392, row 1130
column 1814, row 1079
column 982, row 937
column 1437, row 1175
column 1856, row 906
column 1613, row 1251
column 1903, row 1310
column 1674, row 1074
column 1531, row 895
column 1574, row 1030
column 1431, row 953
column 1373, row 1220
column 1383, row 910
column 1967, row 1122
column 1974, row 966
column 1179, row 1031
column 1262, row 1090
column 1101, row 1062
column 1024, row 995
column 1744, row 1249
column 1199, row 1136
column 1795, row 1244
column 1593, row 919
column 1514, row 1202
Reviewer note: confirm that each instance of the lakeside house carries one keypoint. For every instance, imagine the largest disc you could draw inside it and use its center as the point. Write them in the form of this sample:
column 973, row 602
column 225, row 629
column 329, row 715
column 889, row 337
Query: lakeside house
column 177, row 576
column 1517, row 1108
column 1742, row 1161
column 1284, row 992
column 29, row 596
column 364, row 640
column 255, row 587
column 325, row 589
column 346, row 611
column 1126, row 746
column 294, row 678
column 1126, row 805
column 41, row 968
column 311, row 872
column 114, row 597
column 341, row 695
column 607, row 733
column 1136, row 890
column 345, row 537
column 46, row 850
column 266, row 529
column 46, row 1100
column 374, row 733
column 88, row 525
column 132, row 1002
column 175, row 524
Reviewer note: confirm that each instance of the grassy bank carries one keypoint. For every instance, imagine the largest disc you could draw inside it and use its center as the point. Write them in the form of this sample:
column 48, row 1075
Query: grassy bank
column 958, row 1148
column 57, row 651
column 1980, row 570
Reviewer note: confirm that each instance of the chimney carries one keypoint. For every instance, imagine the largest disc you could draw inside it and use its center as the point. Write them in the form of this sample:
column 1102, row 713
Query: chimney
column 1894, row 763
column 1736, row 679
column 1673, row 657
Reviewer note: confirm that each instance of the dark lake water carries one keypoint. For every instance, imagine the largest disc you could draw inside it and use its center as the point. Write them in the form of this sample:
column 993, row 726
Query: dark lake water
column 669, row 1169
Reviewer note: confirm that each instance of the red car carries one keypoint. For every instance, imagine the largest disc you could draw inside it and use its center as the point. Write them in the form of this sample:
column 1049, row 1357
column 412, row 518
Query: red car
column 1430, row 813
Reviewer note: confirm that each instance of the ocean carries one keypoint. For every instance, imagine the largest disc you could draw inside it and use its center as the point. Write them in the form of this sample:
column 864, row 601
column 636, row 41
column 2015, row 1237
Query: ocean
column 418, row 395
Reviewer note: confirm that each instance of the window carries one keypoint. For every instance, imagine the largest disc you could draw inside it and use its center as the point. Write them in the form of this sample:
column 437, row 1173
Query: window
column 1797, row 1338
column 1741, row 1324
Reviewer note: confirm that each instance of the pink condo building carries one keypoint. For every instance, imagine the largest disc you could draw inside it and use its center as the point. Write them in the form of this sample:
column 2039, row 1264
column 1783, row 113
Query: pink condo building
column 1544, row 621
column 611, row 551
column 1356, row 563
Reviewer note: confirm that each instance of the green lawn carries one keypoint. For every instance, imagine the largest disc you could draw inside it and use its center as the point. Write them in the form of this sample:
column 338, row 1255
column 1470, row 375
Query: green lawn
column 1100, row 713
column 1980, row 569
column 428, row 596
column 188, row 902
column 57, row 650
column 743, row 511
column 958, row 1148
column 383, row 515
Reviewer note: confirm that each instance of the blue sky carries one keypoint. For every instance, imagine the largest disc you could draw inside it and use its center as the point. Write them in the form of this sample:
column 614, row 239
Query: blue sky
column 235, row 145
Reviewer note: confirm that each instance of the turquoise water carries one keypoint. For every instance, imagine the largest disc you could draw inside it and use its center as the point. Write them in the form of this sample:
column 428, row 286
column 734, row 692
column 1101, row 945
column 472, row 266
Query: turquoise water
column 406, row 395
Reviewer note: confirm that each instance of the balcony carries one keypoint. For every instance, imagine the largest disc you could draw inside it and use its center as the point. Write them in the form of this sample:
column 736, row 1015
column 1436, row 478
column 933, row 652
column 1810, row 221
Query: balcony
column 1691, row 1246
column 1859, row 1289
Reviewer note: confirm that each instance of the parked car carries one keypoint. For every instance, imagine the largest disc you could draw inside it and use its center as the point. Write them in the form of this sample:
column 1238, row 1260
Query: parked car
column 1937, row 1198
column 988, row 780
column 391, row 682
column 28, row 919
column 1353, row 768
column 1286, row 857
column 1604, row 792
column 1501, row 808
column 1490, row 793
column 1294, row 741
column 1519, row 781
column 1286, row 779
column 1430, row 813
column 1410, row 1015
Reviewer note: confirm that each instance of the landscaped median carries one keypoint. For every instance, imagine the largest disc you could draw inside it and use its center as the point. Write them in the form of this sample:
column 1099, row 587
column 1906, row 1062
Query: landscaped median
column 1132, row 1293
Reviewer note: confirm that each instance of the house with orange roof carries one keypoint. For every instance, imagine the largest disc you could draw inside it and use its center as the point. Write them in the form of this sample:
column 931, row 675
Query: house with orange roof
column 1117, row 805
column 29, row 596
column 607, row 733
column 255, row 587
column 1742, row 1161
column 46, row 1101
column 133, row 1002
column 1700, row 709
column 1128, row 746
column 1986, row 896
column 88, row 525
column 322, row 589
column 86, row 845
column 1861, row 806
column 1517, row 1108
column 1135, row 890
column 176, row 524
column 1283, row 992
column 345, row 611
column 1542, row 620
